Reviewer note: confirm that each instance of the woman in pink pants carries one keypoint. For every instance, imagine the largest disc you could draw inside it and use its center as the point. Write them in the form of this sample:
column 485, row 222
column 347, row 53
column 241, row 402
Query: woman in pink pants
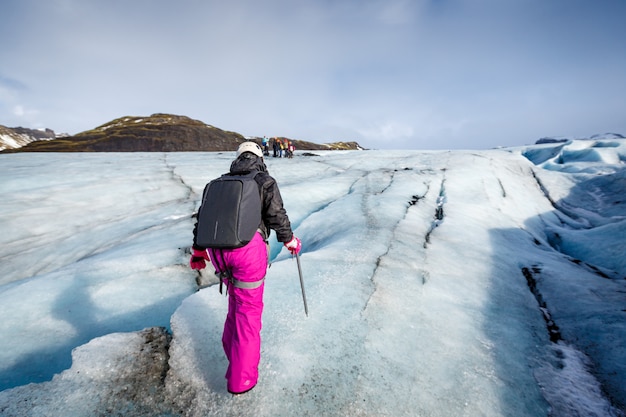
column 243, row 271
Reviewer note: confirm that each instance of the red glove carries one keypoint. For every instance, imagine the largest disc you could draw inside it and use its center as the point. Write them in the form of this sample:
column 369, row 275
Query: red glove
column 294, row 245
column 198, row 258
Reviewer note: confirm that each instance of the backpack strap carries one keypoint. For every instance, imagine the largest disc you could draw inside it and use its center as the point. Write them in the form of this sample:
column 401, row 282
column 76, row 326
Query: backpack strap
column 226, row 276
column 220, row 271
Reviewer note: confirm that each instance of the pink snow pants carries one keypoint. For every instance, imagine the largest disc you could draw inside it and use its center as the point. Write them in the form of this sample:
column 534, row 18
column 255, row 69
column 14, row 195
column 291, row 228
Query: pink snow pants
column 242, row 330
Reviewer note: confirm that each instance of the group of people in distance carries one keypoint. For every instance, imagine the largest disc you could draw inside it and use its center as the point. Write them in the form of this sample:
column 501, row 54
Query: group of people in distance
column 282, row 148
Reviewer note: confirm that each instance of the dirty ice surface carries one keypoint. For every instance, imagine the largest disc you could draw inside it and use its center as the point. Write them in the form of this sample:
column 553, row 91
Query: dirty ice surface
column 439, row 283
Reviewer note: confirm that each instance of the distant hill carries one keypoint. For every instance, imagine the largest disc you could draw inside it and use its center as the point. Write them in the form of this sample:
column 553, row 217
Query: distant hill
column 157, row 133
column 17, row 137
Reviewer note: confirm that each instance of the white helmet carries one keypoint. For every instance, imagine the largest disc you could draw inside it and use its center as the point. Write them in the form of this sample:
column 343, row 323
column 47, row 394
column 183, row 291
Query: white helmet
column 250, row 147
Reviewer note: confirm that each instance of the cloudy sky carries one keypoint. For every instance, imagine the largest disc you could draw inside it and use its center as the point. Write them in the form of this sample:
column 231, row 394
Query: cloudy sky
column 404, row 74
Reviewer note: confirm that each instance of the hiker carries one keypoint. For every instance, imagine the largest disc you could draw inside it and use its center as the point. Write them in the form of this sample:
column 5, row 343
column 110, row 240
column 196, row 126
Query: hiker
column 281, row 150
column 266, row 149
column 291, row 148
column 275, row 146
column 246, row 267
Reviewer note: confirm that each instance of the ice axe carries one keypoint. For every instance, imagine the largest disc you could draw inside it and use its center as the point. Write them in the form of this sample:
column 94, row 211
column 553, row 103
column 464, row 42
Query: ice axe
column 306, row 310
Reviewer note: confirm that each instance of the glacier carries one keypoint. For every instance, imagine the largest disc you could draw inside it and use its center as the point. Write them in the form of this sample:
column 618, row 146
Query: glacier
column 462, row 282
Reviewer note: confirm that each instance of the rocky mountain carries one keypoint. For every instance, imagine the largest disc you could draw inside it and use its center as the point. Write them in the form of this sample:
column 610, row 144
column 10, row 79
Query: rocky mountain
column 157, row 133
column 17, row 137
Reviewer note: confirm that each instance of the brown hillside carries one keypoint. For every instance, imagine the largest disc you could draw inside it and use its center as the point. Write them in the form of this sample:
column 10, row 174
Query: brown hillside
column 157, row 133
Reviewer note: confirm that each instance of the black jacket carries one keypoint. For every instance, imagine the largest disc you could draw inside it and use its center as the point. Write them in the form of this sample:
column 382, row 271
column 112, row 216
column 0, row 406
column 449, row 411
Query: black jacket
column 273, row 213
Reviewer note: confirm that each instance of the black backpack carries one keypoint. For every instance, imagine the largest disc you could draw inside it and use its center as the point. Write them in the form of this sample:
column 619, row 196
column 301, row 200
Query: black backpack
column 230, row 213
